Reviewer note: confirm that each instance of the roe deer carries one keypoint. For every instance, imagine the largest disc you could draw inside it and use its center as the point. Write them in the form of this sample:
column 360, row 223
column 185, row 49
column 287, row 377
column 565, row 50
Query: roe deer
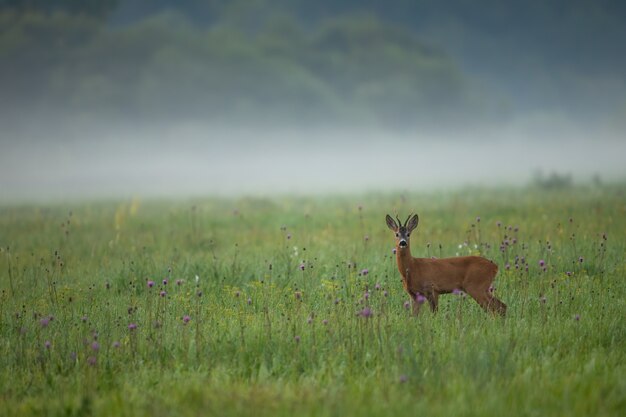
column 431, row 277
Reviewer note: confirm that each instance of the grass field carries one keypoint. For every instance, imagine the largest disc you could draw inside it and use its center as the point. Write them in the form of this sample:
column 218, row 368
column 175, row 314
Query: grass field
column 255, row 307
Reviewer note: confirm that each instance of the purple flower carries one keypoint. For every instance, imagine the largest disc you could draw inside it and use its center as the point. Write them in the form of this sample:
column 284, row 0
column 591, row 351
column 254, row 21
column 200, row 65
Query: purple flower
column 366, row 312
column 393, row 251
column 179, row 282
column 407, row 305
column 288, row 236
column 377, row 286
column 92, row 361
column 324, row 322
column 116, row 344
column 186, row 319
column 47, row 344
column 297, row 339
column 456, row 291
column 44, row 322
column 577, row 317
column 385, row 293
column 507, row 267
column 541, row 263
column 365, row 271
column 366, row 295
column 132, row 326
column 150, row 284
column 165, row 282
column 568, row 273
column 302, row 266
column 162, row 293
column 419, row 298
column 95, row 346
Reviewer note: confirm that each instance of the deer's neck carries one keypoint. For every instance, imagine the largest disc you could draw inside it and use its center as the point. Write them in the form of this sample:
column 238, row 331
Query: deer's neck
column 405, row 261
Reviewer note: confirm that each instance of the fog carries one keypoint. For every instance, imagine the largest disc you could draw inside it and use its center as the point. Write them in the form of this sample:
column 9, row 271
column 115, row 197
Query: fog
column 174, row 99
column 193, row 160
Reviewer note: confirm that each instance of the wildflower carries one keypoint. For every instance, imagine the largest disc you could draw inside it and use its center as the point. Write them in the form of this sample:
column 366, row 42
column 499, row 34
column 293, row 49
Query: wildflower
column 92, row 361
column 366, row 295
column 116, row 344
column 542, row 263
column 568, row 273
column 47, row 344
column 302, row 266
column 298, row 295
column 197, row 279
column 456, row 291
column 309, row 320
column 403, row 378
column 385, row 293
column 324, row 322
column 132, row 326
column 186, row 319
column 150, row 284
column 179, row 282
column 507, row 266
column 499, row 223
column 365, row 271
column 419, row 298
column 366, row 238
column 543, row 299
column 288, row 236
column 95, row 346
column 165, row 282
column 393, row 251
column 366, row 312
column 377, row 286
column 577, row 317
column 478, row 219
column 162, row 293
column 44, row 322
column 84, row 319
column 407, row 305
column 297, row 339
column 237, row 294
column 249, row 301
column 580, row 259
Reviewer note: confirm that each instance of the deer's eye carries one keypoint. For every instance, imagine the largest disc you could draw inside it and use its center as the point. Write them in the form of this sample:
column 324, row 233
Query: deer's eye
column 397, row 235
column 408, row 234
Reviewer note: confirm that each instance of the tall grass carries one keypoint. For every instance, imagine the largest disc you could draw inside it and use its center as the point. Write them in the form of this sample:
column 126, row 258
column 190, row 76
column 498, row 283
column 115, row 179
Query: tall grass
column 294, row 305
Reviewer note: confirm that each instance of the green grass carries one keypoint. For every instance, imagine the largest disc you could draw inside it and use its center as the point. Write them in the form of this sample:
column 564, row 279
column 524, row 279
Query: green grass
column 265, row 337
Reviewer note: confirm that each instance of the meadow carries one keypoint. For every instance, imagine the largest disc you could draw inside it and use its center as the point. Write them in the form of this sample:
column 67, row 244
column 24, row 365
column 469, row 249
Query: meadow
column 294, row 306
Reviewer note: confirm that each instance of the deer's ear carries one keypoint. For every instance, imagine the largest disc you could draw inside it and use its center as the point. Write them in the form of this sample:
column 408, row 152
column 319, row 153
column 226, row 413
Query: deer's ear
column 412, row 224
column 391, row 223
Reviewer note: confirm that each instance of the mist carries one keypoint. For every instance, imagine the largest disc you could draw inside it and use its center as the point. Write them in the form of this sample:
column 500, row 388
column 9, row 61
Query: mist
column 161, row 99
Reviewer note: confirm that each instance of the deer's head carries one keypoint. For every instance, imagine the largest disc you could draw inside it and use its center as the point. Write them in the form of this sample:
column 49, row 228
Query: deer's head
column 402, row 231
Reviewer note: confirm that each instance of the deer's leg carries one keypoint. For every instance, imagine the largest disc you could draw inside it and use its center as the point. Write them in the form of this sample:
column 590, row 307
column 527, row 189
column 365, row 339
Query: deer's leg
column 433, row 300
column 488, row 302
column 497, row 306
column 415, row 307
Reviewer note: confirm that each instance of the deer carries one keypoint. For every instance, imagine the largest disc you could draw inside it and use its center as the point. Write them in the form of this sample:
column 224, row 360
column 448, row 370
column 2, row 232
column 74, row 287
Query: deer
column 429, row 277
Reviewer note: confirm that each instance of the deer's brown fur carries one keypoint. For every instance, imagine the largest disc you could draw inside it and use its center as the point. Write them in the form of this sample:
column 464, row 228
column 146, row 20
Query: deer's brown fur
column 432, row 277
